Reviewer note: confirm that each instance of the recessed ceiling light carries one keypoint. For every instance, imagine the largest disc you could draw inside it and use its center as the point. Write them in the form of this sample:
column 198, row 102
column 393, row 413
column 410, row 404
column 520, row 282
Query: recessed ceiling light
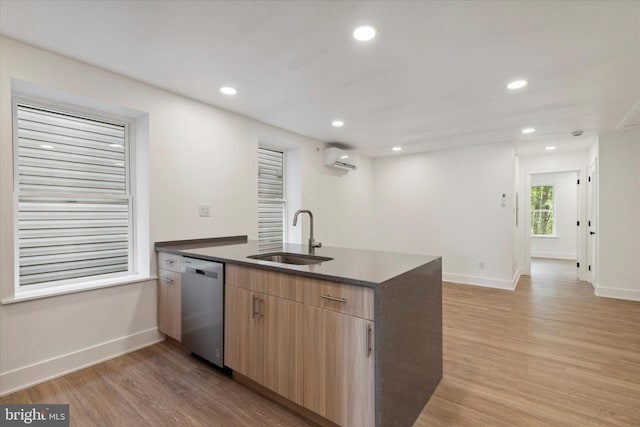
column 228, row 90
column 528, row 130
column 397, row 148
column 337, row 123
column 46, row 146
column 550, row 148
column 517, row 84
column 364, row 33
column 344, row 157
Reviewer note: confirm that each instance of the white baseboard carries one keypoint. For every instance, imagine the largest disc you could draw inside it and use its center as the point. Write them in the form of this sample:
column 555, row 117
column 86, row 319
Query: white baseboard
column 626, row 294
column 516, row 279
column 487, row 282
column 46, row 370
column 554, row 255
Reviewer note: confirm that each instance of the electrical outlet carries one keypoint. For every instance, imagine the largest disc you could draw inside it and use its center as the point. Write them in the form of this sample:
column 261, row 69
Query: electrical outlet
column 481, row 265
column 204, row 209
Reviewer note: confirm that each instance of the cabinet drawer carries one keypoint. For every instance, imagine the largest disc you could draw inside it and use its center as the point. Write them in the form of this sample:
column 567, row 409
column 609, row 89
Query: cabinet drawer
column 348, row 299
column 287, row 286
column 169, row 277
column 170, row 262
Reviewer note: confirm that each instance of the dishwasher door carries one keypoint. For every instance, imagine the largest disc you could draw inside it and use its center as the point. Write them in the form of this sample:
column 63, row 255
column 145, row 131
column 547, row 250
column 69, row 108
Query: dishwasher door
column 203, row 309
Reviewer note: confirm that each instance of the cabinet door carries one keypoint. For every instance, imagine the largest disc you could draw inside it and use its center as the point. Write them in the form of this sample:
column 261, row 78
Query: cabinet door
column 339, row 367
column 243, row 337
column 283, row 346
column 170, row 304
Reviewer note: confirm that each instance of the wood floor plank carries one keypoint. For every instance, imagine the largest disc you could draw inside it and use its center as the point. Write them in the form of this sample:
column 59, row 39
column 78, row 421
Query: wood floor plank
column 550, row 353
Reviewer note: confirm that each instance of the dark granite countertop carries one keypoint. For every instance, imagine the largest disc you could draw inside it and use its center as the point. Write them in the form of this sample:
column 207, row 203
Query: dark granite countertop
column 352, row 266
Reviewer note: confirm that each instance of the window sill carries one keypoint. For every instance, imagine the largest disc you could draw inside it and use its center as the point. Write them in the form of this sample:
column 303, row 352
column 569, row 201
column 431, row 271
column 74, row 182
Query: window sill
column 545, row 236
column 21, row 296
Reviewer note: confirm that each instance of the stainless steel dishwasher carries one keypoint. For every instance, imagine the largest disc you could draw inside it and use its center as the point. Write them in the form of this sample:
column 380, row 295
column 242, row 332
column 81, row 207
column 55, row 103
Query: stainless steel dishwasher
column 203, row 309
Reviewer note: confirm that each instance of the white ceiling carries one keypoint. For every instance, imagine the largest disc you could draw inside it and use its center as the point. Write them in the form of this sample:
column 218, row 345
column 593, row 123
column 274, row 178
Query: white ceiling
column 433, row 78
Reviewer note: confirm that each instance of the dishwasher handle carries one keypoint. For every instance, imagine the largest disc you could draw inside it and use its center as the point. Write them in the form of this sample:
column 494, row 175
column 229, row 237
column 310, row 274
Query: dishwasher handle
column 201, row 272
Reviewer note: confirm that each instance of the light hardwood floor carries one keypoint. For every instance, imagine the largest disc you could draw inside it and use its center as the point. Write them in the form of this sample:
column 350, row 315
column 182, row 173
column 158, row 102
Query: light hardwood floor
column 550, row 353
column 157, row 386
column 554, row 270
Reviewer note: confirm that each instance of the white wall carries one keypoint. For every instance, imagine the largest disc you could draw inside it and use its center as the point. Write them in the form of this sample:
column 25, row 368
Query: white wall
column 448, row 203
column 564, row 243
column 548, row 163
column 198, row 154
column 618, row 233
column 341, row 201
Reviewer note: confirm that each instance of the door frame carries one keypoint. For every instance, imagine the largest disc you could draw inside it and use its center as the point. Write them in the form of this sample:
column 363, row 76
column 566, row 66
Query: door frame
column 592, row 204
column 580, row 216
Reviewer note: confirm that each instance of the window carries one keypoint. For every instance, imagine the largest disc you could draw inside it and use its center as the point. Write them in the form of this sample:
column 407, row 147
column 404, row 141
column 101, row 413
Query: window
column 271, row 202
column 74, row 198
column 542, row 210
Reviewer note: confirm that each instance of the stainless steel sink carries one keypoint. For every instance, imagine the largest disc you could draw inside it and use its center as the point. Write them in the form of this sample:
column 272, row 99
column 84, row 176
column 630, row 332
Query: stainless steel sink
column 291, row 258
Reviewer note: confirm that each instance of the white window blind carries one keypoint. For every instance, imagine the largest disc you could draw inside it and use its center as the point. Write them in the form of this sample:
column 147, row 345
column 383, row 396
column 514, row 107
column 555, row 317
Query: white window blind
column 271, row 201
column 74, row 216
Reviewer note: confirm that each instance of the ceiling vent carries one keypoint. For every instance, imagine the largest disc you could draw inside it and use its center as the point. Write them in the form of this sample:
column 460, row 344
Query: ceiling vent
column 337, row 158
column 632, row 119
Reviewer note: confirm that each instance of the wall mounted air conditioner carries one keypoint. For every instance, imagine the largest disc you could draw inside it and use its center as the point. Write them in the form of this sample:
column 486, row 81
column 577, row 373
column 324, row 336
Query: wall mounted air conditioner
column 340, row 159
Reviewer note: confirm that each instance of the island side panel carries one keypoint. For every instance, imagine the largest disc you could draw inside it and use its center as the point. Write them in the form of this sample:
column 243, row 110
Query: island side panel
column 408, row 343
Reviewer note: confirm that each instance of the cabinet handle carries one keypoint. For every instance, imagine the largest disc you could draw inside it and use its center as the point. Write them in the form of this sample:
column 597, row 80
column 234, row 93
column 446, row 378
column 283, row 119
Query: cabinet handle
column 368, row 340
column 169, row 261
column 254, row 307
column 329, row 297
column 166, row 279
column 262, row 304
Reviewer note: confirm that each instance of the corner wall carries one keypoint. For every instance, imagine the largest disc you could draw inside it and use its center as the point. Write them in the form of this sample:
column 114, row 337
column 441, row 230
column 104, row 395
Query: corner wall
column 618, row 232
column 449, row 203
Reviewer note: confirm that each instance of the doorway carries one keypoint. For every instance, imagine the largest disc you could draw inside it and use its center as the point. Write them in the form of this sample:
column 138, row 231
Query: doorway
column 554, row 225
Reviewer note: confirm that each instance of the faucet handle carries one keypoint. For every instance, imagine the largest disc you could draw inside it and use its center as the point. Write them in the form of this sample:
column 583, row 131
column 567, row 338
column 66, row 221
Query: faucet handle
column 313, row 245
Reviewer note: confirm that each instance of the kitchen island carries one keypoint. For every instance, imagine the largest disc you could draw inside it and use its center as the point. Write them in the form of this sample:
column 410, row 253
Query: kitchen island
column 406, row 295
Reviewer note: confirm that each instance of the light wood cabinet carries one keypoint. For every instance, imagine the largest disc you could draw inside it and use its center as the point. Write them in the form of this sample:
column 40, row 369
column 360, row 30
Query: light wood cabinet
column 339, row 367
column 283, row 347
column 243, row 333
column 170, row 303
column 170, row 262
column 308, row 340
column 264, row 339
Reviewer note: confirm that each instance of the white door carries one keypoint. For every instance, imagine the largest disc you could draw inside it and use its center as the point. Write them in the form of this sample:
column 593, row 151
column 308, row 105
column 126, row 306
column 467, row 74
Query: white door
column 592, row 205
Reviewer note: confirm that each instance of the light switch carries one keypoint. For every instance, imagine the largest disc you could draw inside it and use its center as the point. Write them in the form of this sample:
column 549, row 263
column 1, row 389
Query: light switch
column 204, row 209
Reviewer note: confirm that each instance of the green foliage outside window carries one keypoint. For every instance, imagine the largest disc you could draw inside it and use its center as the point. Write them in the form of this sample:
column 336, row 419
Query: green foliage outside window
column 542, row 210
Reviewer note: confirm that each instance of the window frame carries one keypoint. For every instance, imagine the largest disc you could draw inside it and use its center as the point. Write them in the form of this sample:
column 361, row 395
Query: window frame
column 282, row 201
column 552, row 210
column 133, row 273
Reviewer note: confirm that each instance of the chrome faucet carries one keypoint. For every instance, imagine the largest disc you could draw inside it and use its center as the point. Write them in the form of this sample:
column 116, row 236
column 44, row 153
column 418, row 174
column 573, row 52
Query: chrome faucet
column 312, row 243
